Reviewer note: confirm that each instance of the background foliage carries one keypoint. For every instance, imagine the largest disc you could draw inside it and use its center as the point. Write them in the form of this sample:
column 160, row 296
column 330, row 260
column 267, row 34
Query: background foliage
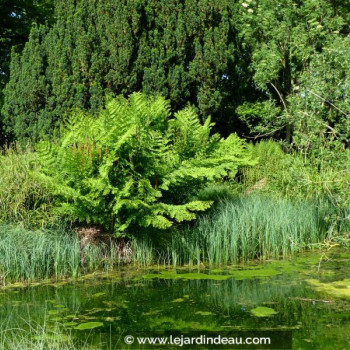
column 16, row 19
column 184, row 50
column 24, row 197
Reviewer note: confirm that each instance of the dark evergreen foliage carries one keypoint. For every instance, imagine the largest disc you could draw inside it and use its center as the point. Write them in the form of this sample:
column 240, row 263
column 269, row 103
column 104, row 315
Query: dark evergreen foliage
column 16, row 19
column 250, row 64
column 184, row 50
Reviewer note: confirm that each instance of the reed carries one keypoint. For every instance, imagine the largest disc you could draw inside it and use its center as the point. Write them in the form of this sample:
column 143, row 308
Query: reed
column 44, row 254
column 143, row 252
column 251, row 227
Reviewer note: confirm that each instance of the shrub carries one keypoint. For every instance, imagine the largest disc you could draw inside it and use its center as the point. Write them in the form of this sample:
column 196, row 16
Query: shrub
column 136, row 165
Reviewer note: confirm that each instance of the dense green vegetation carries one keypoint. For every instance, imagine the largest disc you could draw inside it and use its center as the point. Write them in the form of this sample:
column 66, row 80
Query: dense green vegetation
column 252, row 227
column 107, row 116
column 258, row 67
column 16, row 20
column 136, row 166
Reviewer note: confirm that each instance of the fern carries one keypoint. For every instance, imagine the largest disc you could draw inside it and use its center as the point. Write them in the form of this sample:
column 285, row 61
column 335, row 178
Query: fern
column 136, row 165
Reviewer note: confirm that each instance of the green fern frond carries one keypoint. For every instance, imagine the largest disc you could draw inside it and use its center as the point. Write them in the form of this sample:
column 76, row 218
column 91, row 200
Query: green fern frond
column 137, row 166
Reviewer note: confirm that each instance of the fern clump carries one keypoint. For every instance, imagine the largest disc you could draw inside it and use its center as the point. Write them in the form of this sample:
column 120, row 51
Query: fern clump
column 137, row 165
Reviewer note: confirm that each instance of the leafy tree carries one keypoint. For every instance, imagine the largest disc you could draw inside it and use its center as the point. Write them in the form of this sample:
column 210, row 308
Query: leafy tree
column 320, row 105
column 27, row 99
column 184, row 50
column 136, row 165
column 284, row 41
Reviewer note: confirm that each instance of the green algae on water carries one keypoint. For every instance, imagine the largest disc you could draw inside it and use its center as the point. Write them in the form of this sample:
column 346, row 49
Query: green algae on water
column 187, row 276
column 179, row 300
column 254, row 273
column 337, row 289
column 97, row 295
column 263, row 311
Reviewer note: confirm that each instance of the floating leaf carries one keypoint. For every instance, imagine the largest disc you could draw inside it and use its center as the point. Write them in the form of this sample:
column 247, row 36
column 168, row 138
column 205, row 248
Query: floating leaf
column 56, row 319
column 53, row 312
column 179, row 300
column 70, row 316
column 95, row 310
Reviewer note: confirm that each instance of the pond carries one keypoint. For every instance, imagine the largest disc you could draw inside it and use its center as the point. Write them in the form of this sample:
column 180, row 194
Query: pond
column 309, row 295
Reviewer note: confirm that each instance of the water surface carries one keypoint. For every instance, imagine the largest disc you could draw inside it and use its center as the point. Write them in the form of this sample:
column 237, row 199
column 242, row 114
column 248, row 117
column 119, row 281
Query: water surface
column 309, row 295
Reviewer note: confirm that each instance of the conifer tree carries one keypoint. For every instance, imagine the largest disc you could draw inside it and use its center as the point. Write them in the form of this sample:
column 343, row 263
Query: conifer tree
column 183, row 50
column 16, row 19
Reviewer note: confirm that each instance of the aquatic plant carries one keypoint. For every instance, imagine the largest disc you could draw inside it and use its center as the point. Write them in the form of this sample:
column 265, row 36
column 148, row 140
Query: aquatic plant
column 32, row 255
column 250, row 227
column 263, row 311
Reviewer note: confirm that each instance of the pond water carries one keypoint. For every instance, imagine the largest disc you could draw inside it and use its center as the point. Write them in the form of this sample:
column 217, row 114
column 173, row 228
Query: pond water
column 309, row 295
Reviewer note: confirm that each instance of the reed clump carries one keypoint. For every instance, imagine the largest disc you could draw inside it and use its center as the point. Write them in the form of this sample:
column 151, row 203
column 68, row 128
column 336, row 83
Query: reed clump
column 44, row 254
column 251, row 227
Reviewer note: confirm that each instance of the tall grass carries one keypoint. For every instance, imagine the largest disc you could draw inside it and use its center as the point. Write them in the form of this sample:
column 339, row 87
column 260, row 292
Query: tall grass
column 25, row 196
column 251, row 227
column 244, row 228
column 237, row 229
column 33, row 255
column 295, row 176
column 143, row 253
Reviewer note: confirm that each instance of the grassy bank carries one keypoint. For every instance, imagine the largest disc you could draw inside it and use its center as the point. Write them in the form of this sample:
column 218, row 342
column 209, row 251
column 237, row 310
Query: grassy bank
column 33, row 255
column 237, row 229
column 281, row 205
